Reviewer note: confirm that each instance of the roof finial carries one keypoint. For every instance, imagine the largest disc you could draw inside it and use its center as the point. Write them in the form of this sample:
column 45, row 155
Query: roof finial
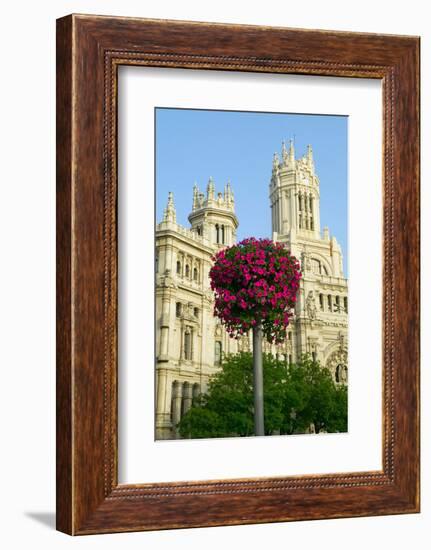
column 310, row 159
column 170, row 214
column 210, row 189
column 195, row 196
column 291, row 152
column 283, row 152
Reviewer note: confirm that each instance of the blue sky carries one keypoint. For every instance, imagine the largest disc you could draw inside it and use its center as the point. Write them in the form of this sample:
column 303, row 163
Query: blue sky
column 192, row 145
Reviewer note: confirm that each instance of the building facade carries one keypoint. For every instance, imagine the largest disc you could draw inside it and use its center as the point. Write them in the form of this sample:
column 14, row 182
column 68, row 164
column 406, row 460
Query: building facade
column 190, row 341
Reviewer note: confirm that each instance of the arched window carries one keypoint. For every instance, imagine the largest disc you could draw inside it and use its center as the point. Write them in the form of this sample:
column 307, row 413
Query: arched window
column 321, row 302
column 217, row 353
column 329, row 302
column 217, row 229
column 315, row 266
column 187, row 271
column 222, row 234
column 178, row 309
column 195, row 274
column 178, row 267
column 345, row 304
column 156, row 267
column 196, row 312
column 337, row 304
column 198, row 230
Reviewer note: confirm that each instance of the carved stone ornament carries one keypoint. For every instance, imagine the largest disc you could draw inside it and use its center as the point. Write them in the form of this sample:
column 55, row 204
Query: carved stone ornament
column 337, row 364
column 166, row 280
column 311, row 305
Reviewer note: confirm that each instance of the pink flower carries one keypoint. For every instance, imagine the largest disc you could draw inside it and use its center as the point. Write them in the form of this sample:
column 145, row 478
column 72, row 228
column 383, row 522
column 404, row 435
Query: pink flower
column 255, row 280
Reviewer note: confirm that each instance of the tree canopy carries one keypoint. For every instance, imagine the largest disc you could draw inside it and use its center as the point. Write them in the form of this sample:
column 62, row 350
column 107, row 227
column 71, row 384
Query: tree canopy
column 296, row 396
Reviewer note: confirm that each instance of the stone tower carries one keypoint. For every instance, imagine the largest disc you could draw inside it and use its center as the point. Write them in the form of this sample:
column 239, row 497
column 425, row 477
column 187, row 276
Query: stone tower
column 190, row 341
column 294, row 193
column 213, row 215
column 320, row 324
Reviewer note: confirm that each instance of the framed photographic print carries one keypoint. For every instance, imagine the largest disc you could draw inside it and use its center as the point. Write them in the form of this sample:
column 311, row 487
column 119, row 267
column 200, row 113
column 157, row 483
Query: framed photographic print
column 237, row 274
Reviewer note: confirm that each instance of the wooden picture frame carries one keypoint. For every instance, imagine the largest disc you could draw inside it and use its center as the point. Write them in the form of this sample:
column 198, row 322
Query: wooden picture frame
column 89, row 51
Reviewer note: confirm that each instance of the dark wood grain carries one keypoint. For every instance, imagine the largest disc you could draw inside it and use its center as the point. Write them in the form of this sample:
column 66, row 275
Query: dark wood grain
column 90, row 49
column 64, row 496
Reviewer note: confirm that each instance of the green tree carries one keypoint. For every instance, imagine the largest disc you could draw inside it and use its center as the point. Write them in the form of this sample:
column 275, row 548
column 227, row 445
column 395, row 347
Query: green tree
column 295, row 396
column 320, row 401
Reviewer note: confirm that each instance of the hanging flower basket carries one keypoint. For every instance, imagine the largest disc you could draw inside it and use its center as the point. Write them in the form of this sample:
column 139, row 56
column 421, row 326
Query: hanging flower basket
column 255, row 281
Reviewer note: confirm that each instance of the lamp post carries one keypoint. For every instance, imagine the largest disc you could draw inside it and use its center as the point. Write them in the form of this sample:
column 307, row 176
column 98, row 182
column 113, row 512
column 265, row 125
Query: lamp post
column 259, row 425
column 255, row 284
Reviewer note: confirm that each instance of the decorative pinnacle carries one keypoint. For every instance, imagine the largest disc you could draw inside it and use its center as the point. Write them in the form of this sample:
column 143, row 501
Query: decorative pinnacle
column 170, row 214
column 195, row 196
column 228, row 195
column 283, row 152
column 310, row 159
column 210, row 189
column 291, row 152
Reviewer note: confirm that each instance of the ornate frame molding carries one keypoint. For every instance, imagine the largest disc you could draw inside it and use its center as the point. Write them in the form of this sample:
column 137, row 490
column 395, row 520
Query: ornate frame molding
column 90, row 50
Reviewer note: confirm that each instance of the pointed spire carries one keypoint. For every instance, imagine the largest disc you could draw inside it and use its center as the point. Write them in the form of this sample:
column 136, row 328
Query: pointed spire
column 284, row 152
column 230, row 198
column 291, row 153
column 170, row 214
column 310, row 160
column 195, row 205
column 275, row 162
column 210, row 189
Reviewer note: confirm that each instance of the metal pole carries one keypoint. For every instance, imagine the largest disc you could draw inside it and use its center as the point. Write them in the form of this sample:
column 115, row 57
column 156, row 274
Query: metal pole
column 259, row 427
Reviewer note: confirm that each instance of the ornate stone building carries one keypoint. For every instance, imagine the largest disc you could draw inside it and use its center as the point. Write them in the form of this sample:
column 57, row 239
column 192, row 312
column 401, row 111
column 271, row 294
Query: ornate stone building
column 189, row 340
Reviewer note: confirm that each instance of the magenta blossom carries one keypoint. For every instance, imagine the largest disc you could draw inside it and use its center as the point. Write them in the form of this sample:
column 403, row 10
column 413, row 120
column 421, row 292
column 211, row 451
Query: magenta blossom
column 254, row 281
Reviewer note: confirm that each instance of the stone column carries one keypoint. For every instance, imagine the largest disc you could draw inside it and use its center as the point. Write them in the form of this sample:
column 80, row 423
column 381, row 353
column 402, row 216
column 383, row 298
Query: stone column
column 316, row 209
column 164, row 339
column 299, row 211
column 196, row 391
column 188, row 396
column 163, row 405
column 164, row 329
column 168, row 258
column 161, row 392
column 228, row 235
column 293, row 217
column 176, row 403
column 272, row 218
column 282, row 210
